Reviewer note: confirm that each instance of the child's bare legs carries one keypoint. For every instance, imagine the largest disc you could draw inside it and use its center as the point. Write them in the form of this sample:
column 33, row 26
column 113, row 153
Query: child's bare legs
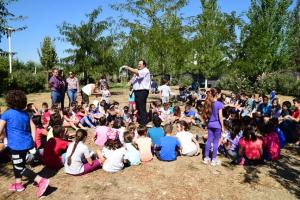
column 69, row 124
column 100, row 156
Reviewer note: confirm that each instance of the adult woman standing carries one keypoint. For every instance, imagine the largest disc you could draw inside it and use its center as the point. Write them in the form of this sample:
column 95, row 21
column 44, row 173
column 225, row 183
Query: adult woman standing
column 55, row 86
column 214, row 118
column 73, row 87
column 63, row 88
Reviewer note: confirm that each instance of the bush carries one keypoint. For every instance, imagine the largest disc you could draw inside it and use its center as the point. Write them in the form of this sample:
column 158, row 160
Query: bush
column 236, row 82
column 26, row 81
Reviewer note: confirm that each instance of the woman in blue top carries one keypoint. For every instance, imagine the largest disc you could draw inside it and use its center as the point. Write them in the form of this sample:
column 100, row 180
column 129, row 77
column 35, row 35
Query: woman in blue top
column 18, row 126
column 214, row 117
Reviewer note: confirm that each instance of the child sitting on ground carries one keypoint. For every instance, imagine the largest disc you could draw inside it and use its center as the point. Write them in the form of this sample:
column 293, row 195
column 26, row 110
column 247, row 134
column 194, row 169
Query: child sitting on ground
column 40, row 132
column 250, row 150
column 55, row 149
column 144, row 144
column 78, row 157
column 101, row 132
column 166, row 113
column 133, row 153
column 190, row 146
column 271, row 148
column 114, row 155
column 156, row 132
column 45, row 112
column 168, row 146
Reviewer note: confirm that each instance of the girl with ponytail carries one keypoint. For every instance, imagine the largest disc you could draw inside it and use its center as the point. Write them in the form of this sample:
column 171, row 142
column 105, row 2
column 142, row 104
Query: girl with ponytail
column 79, row 159
column 214, row 118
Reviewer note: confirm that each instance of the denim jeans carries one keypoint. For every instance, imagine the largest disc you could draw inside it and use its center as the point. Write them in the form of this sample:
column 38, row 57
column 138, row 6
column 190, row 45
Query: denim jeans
column 55, row 97
column 72, row 95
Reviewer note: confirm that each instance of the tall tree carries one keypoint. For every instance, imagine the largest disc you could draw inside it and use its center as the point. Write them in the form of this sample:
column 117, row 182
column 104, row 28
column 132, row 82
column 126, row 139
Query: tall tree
column 263, row 38
column 155, row 34
column 92, row 49
column 213, row 39
column 47, row 54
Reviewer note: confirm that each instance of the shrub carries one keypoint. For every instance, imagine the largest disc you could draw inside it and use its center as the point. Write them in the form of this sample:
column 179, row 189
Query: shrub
column 26, row 81
column 235, row 82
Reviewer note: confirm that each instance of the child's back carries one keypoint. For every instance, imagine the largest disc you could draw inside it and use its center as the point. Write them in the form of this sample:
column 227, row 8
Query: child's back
column 271, row 146
column 101, row 135
column 133, row 154
column 186, row 140
column 53, row 151
column 168, row 146
column 251, row 148
column 144, row 145
column 155, row 133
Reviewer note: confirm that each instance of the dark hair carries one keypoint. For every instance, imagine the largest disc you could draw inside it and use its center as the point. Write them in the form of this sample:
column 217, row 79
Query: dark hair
column 102, row 121
column 58, row 131
column 66, row 111
column 144, row 62
column 249, row 134
column 164, row 81
column 128, row 136
column 16, row 99
column 235, row 129
column 45, row 104
column 37, row 120
column 177, row 111
column 80, row 135
column 287, row 104
column 184, row 125
column 55, row 119
column 168, row 128
column 118, row 123
column 156, row 121
column 266, row 128
column 208, row 104
column 142, row 130
column 113, row 144
column 296, row 100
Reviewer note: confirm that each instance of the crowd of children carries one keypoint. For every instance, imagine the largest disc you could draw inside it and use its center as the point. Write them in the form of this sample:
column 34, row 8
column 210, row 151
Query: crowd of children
column 246, row 130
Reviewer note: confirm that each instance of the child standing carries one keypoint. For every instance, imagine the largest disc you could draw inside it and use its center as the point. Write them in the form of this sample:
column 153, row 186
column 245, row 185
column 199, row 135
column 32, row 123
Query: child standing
column 165, row 91
column 144, row 144
column 190, row 146
column 17, row 125
column 114, row 156
column 76, row 152
column 131, row 100
column 168, row 145
column 105, row 94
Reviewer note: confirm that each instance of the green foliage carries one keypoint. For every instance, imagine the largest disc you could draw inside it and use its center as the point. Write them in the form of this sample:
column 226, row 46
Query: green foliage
column 235, row 82
column 26, row 81
column 47, row 54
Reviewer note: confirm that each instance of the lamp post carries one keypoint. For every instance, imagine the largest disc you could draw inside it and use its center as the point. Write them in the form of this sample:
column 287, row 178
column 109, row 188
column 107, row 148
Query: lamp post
column 9, row 30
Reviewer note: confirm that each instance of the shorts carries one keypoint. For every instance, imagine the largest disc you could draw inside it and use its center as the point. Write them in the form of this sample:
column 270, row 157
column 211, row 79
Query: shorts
column 131, row 103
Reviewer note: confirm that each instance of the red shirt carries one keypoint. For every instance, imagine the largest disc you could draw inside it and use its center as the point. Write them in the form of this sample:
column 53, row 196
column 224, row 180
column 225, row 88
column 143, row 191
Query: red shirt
column 46, row 117
column 271, row 146
column 54, row 148
column 251, row 148
column 39, row 137
column 296, row 114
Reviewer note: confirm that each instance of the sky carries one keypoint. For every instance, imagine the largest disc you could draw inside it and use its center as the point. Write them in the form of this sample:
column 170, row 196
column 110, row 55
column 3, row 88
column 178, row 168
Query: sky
column 43, row 17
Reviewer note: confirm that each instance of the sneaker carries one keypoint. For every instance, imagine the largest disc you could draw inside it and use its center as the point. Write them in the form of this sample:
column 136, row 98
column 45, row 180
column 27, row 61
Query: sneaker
column 206, row 161
column 16, row 187
column 43, row 185
column 215, row 162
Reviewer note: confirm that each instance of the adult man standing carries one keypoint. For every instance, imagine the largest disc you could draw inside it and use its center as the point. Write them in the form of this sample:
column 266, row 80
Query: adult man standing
column 55, row 86
column 141, row 86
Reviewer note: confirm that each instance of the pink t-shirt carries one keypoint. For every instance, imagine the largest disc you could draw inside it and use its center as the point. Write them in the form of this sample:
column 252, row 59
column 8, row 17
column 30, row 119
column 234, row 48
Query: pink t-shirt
column 271, row 145
column 251, row 148
column 144, row 145
column 102, row 135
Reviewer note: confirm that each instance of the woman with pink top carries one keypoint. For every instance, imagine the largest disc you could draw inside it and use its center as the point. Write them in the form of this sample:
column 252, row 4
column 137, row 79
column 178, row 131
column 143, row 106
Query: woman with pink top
column 73, row 87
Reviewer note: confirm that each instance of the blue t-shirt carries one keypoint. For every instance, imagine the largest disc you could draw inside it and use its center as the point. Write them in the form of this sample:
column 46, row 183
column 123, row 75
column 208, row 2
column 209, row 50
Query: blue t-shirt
column 17, row 129
column 190, row 113
column 155, row 134
column 265, row 109
column 168, row 145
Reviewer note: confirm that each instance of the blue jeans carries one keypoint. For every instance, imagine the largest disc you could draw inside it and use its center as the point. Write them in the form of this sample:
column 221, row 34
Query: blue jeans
column 72, row 95
column 55, row 97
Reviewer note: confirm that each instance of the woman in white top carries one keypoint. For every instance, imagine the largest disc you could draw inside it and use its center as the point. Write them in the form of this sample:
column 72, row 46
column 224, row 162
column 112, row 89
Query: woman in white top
column 190, row 146
column 88, row 90
column 77, row 152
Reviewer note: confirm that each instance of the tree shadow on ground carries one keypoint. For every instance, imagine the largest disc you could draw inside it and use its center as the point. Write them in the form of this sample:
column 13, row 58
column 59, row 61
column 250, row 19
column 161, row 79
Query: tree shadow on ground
column 286, row 171
column 116, row 93
column 251, row 175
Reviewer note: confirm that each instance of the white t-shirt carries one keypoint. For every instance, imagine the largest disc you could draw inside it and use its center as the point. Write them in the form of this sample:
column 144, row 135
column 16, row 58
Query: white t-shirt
column 105, row 95
column 114, row 159
column 143, row 80
column 165, row 90
column 87, row 89
column 185, row 139
column 81, row 152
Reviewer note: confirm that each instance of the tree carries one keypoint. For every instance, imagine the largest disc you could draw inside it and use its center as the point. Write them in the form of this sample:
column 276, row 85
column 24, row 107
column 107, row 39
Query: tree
column 92, row 51
column 47, row 54
column 156, row 34
column 213, row 40
column 263, row 38
column 5, row 17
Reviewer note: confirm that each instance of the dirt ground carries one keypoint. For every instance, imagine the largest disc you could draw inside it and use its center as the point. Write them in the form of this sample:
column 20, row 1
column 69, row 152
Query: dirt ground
column 186, row 178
